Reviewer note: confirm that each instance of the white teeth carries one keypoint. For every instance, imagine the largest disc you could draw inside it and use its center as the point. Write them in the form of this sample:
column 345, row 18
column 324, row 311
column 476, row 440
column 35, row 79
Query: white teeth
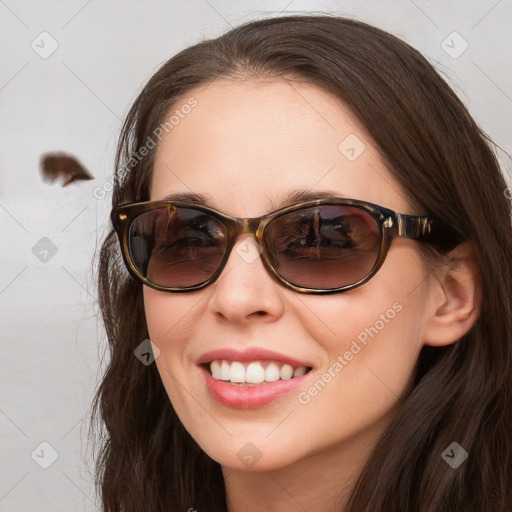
column 215, row 369
column 237, row 372
column 286, row 372
column 272, row 372
column 224, row 370
column 255, row 373
column 300, row 371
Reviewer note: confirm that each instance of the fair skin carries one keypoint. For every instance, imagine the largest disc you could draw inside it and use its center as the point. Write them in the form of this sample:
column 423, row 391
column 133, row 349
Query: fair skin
column 244, row 145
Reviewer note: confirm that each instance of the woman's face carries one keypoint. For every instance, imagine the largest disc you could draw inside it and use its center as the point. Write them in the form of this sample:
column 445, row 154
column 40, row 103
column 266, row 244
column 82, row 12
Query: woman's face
column 244, row 145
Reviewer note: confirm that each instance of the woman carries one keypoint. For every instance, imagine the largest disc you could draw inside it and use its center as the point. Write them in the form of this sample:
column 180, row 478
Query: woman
column 320, row 252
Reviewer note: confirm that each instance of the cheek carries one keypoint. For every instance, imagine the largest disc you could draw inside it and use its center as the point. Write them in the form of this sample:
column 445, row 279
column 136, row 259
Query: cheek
column 169, row 317
column 360, row 343
column 370, row 339
column 361, row 326
column 170, row 321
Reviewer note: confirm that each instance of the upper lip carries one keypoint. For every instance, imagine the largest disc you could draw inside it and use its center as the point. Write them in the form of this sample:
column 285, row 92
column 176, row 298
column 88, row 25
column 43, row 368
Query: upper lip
column 250, row 354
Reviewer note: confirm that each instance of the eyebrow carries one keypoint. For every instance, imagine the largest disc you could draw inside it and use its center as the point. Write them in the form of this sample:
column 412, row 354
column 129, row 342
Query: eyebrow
column 292, row 197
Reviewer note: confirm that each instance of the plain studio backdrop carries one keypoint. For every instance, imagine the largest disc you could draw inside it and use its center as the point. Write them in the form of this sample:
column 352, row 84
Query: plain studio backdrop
column 69, row 71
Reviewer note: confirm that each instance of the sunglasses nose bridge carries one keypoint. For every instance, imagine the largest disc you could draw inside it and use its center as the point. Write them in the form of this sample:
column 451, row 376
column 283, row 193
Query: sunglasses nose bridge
column 243, row 225
column 247, row 225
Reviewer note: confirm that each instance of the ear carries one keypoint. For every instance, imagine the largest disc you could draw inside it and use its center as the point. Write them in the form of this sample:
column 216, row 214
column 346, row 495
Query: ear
column 456, row 298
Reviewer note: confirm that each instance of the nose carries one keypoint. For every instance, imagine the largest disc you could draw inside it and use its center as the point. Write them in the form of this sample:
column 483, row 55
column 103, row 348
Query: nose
column 245, row 290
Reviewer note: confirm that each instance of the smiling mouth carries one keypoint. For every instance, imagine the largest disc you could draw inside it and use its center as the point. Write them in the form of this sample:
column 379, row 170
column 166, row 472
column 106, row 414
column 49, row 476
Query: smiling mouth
column 253, row 373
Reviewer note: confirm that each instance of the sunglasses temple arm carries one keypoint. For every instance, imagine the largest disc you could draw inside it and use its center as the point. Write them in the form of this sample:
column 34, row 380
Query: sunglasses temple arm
column 427, row 229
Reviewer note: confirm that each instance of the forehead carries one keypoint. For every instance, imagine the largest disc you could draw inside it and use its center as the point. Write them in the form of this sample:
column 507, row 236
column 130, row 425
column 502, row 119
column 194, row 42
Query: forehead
column 246, row 146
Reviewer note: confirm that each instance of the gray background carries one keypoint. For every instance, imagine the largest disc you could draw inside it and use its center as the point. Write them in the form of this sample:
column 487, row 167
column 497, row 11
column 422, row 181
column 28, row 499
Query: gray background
column 74, row 100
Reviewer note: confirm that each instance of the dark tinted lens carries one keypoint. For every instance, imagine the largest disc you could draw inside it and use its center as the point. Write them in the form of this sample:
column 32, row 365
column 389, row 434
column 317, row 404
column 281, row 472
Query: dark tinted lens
column 324, row 246
column 177, row 248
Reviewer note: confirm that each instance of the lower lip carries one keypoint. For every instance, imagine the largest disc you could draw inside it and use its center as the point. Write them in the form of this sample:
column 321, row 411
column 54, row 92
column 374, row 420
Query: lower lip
column 249, row 397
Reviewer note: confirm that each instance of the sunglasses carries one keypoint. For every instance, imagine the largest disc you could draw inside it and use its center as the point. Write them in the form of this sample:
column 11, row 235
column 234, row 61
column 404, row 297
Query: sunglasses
column 319, row 246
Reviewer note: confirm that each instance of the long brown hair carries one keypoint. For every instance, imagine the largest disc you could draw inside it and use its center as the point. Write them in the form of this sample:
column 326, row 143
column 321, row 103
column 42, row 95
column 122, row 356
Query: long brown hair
column 446, row 165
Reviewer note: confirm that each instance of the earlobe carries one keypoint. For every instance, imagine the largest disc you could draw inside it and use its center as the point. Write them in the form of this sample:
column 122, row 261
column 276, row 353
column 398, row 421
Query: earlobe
column 456, row 298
